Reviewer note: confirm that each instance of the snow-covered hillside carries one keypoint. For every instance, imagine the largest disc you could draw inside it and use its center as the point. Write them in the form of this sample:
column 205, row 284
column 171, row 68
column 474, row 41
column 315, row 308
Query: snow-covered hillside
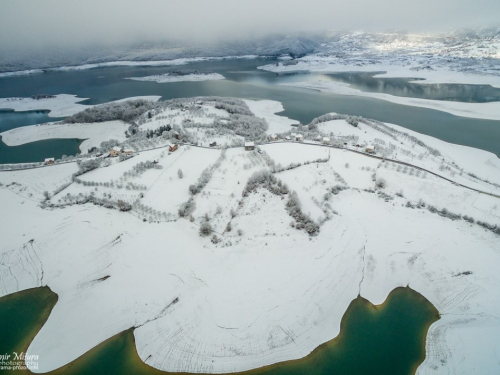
column 226, row 259
column 454, row 57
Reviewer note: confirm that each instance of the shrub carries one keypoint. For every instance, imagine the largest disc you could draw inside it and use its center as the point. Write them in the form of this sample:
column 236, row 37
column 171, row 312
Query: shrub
column 186, row 208
column 205, row 229
column 380, row 183
column 123, row 206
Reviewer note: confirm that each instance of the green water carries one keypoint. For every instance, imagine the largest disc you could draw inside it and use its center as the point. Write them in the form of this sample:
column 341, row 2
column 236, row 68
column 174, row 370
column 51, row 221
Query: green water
column 386, row 339
column 21, row 317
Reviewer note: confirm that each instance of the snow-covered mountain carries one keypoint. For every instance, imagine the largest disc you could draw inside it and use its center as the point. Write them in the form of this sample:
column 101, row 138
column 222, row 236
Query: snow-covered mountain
column 474, row 50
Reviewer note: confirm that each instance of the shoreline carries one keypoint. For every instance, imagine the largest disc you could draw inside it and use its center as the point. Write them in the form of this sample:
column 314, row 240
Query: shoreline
column 317, row 64
column 124, row 343
column 483, row 111
column 173, row 62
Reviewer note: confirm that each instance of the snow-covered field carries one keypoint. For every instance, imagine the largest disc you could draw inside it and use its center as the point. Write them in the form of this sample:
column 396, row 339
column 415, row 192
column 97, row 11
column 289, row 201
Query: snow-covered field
column 165, row 78
column 258, row 290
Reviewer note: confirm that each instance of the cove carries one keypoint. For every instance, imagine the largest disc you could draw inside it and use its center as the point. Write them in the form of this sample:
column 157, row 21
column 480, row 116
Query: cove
column 39, row 150
column 384, row 339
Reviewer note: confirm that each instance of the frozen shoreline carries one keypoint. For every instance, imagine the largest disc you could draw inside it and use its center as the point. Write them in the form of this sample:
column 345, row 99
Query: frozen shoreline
column 333, row 65
column 92, row 134
column 486, row 111
column 174, row 62
column 62, row 105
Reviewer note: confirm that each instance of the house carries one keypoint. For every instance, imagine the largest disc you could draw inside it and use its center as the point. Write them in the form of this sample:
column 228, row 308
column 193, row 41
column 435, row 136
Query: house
column 249, row 146
column 273, row 137
column 49, row 161
column 370, row 149
column 176, row 135
column 318, row 138
column 288, row 138
column 115, row 151
column 299, row 137
column 172, row 148
column 128, row 152
column 213, row 144
column 326, row 140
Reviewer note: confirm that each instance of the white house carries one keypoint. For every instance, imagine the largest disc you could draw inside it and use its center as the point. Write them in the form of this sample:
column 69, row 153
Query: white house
column 49, row 161
column 273, row 137
column 299, row 137
column 326, row 140
column 249, row 146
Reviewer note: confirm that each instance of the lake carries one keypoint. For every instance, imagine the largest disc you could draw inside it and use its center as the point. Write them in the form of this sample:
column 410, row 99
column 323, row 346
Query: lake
column 244, row 80
column 375, row 340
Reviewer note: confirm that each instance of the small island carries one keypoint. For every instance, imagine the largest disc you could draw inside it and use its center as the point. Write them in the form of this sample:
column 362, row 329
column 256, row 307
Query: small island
column 180, row 76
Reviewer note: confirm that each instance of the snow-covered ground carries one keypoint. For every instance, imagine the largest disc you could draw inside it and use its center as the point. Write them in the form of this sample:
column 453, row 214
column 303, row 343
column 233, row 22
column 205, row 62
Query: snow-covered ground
column 267, row 110
column 93, row 134
column 389, row 69
column 62, row 105
column 165, row 78
column 459, row 59
column 261, row 291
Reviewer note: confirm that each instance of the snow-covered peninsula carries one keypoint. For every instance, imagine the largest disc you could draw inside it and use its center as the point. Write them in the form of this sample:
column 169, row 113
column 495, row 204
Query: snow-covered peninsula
column 61, row 105
column 235, row 257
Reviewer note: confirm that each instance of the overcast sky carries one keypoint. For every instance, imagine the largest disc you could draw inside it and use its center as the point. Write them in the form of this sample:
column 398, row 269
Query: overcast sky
column 78, row 22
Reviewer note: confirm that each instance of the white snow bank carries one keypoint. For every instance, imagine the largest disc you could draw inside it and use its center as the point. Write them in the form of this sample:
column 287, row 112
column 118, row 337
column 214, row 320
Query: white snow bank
column 164, row 78
column 181, row 61
column 487, row 111
column 267, row 110
column 32, row 183
column 93, row 134
column 391, row 70
column 61, row 105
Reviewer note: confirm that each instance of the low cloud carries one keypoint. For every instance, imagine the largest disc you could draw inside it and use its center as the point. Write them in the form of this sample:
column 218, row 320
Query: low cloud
column 48, row 23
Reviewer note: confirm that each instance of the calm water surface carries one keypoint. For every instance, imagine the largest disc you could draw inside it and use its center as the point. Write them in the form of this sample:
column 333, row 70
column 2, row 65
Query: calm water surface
column 244, row 80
